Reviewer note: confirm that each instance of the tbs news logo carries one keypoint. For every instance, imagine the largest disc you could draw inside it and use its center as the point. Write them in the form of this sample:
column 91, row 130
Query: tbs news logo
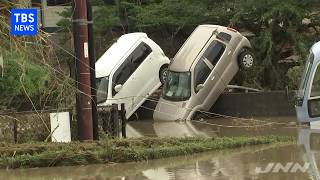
column 24, row 22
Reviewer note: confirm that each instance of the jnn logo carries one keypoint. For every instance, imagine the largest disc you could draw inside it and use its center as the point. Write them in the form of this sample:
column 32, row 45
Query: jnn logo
column 285, row 168
column 24, row 22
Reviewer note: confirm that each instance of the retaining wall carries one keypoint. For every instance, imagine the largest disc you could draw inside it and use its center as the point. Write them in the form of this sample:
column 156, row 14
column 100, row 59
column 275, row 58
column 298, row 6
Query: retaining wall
column 275, row 103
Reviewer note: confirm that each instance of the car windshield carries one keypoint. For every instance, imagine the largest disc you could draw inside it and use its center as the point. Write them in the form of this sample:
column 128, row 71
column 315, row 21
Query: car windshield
column 305, row 76
column 102, row 89
column 177, row 86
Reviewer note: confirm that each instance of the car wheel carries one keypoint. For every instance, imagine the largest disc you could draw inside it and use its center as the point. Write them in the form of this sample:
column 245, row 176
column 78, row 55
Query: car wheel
column 163, row 73
column 246, row 59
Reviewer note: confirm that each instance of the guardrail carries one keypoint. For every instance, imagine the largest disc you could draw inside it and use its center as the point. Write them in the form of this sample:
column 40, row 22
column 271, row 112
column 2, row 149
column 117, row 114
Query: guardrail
column 247, row 89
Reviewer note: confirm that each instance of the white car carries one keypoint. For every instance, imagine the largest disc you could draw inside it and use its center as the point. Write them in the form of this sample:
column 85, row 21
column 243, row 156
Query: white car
column 130, row 71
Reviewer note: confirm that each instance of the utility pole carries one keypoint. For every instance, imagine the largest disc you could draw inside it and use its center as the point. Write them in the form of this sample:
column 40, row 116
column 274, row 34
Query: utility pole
column 84, row 100
column 93, row 74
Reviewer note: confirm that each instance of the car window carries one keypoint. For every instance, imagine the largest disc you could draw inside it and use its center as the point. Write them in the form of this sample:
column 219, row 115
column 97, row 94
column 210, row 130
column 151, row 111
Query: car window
column 102, row 89
column 130, row 65
column 140, row 54
column 224, row 37
column 122, row 74
column 315, row 89
column 201, row 73
column 214, row 52
column 178, row 86
column 314, row 102
column 305, row 76
column 314, row 108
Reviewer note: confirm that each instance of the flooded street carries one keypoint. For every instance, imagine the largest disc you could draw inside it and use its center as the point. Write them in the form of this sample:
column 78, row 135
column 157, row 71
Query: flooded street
column 259, row 162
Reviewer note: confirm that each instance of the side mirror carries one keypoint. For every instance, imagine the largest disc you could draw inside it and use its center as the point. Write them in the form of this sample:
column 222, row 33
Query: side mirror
column 118, row 87
column 199, row 87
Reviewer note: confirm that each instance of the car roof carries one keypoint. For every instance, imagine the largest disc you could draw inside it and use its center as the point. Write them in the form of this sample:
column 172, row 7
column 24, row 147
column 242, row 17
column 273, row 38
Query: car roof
column 185, row 57
column 115, row 53
column 316, row 51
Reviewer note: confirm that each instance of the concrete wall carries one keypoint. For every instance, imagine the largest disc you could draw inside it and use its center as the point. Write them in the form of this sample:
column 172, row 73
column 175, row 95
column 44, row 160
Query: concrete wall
column 276, row 103
column 51, row 15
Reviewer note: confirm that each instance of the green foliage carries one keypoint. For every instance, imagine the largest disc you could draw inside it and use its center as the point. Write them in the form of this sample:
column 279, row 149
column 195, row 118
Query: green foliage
column 169, row 13
column 120, row 150
column 96, row 2
column 65, row 23
column 294, row 76
column 106, row 18
column 277, row 25
column 32, row 72
column 21, row 77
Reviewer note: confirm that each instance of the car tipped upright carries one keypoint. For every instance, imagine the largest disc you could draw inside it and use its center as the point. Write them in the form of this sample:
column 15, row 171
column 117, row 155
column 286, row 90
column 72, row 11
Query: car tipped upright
column 201, row 70
column 130, row 71
column 308, row 97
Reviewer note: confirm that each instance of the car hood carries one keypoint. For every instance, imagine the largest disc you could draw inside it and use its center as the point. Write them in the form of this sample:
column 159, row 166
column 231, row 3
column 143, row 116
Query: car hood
column 170, row 111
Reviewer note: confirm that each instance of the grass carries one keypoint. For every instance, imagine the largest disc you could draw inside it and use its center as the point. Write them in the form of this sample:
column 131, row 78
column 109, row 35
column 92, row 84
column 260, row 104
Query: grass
column 119, row 150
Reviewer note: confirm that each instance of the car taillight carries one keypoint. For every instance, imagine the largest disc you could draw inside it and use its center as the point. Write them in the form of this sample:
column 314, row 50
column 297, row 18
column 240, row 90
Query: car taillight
column 231, row 29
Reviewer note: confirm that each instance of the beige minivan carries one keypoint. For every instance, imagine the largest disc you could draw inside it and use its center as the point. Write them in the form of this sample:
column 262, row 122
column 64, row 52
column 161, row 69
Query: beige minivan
column 201, row 70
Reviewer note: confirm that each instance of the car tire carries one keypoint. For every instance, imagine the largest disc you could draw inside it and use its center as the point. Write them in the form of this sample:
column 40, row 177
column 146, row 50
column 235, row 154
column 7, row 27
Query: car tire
column 163, row 73
column 246, row 59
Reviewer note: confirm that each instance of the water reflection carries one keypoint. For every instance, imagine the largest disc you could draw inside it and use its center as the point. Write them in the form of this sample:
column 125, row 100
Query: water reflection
column 203, row 128
column 309, row 139
column 163, row 129
column 231, row 164
column 176, row 129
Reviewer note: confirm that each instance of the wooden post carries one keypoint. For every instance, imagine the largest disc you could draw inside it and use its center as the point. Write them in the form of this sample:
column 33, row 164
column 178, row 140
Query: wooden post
column 115, row 120
column 123, row 121
column 15, row 131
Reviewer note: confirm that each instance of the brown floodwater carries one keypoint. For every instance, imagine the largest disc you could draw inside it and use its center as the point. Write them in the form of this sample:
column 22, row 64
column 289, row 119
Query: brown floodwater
column 215, row 127
column 285, row 162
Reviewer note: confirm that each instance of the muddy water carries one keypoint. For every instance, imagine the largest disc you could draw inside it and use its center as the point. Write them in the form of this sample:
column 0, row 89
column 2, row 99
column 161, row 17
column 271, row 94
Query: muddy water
column 235, row 164
column 214, row 127
column 243, row 164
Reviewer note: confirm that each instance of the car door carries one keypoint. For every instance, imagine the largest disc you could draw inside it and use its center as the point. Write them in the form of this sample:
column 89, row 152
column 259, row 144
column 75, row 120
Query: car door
column 205, row 73
column 144, row 75
column 308, row 98
column 122, row 77
column 216, row 55
column 132, row 77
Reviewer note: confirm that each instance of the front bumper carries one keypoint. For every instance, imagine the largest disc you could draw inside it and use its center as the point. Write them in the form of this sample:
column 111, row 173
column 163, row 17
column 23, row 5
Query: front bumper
column 171, row 111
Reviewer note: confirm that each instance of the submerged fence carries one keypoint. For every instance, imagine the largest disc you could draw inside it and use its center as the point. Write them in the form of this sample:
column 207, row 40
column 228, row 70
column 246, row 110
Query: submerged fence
column 112, row 121
column 21, row 127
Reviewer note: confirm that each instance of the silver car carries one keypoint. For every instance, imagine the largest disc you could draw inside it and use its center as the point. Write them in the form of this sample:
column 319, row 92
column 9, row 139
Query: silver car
column 308, row 97
column 201, row 70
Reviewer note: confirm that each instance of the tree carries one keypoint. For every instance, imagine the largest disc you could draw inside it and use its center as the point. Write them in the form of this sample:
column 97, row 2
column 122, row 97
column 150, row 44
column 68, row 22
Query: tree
column 277, row 26
column 30, row 76
column 279, row 33
column 22, row 79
